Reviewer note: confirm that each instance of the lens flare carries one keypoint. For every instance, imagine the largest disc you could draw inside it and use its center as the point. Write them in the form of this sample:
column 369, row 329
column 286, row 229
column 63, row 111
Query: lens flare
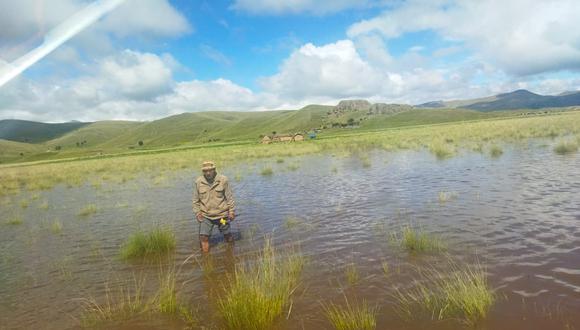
column 57, row 36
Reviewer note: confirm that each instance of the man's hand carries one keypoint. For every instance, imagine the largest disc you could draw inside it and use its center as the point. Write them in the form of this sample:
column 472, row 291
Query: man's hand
column 231, row 215
column 199, row 217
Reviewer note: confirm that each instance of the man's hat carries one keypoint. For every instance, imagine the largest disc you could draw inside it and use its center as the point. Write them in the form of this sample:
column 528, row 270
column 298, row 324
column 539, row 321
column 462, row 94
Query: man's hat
column 207, row 165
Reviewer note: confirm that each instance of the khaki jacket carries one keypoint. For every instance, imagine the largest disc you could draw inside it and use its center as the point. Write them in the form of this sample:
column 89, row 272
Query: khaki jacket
column 213, row 201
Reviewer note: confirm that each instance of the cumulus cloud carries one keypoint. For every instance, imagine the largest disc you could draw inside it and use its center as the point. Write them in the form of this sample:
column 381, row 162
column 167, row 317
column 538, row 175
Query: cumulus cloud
column 522, row 37
column 334, row 70
column 277, row 7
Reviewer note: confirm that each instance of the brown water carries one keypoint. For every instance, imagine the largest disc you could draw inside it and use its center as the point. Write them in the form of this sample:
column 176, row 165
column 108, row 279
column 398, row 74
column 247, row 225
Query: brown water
column 519, row 215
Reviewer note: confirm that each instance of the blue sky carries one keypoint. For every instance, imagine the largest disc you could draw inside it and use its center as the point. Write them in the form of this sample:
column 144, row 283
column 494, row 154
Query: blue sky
column 153, row 58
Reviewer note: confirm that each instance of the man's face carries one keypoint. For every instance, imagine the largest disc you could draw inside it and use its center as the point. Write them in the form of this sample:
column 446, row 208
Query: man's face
column 209, row 174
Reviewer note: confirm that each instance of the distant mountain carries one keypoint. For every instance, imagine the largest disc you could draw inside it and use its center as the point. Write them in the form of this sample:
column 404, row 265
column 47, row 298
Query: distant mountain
column 34, row 132
column 519, row 99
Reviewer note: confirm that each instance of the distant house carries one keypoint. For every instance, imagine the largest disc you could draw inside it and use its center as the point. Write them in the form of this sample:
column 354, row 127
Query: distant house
column 282, row 138
column 266, row 139
column 286, row 138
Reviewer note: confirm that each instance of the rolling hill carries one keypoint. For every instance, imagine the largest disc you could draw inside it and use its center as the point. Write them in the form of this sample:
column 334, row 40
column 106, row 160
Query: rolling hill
column 519, row 99
column 14, row 151
column 34, row 132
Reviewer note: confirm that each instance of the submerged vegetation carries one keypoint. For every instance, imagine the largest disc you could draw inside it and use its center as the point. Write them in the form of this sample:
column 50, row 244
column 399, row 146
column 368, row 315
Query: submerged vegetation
column 259, row 292
column 146, row 244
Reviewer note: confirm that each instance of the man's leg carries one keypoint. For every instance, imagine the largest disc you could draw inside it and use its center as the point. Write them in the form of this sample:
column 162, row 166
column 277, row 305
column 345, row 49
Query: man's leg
column 205, row 229
column 225, row 229
column 204, row 243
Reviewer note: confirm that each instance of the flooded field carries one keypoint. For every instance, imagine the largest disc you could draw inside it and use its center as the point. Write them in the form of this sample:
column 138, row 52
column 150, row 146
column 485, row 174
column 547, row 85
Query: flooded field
column 516, row 213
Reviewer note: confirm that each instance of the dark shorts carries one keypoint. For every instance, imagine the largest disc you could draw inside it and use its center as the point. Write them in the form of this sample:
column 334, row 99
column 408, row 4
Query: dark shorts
column 206, row 227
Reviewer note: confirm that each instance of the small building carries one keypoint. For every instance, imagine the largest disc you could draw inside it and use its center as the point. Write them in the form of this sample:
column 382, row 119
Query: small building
column 298, row 137
column 286, row 138
column 266, row 139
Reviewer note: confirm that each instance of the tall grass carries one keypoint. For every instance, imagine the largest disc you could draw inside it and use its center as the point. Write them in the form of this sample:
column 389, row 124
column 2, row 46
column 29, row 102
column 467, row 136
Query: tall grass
column 130, row 301
column 267, row 171
column 495, row 151
column 566, row 147
column 260, row 292
column 462, row 294
column 441, row 150
column 417, row 240
column 14, row 221
column 127, row 302
column 351, row 317
column 352, row 274
column 88, row 210
column 154, row 243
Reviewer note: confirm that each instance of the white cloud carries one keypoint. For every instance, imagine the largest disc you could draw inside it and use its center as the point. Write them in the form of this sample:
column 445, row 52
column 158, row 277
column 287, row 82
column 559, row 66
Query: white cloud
column 277, row 7
column 330, row 71
column 219, row 94
column 522, row 37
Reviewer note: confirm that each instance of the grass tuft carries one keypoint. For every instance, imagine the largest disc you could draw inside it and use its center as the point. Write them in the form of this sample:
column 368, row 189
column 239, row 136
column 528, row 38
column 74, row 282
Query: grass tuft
column 566, row 147
column 157, row 242
column 88, row 210
column 416, row 241
column 463, row 294
column 260, row 292
column 14, row 221
column 267, row 171
column 495, row 151
column 441, row 150
column 352, row 274
column 56, row 227
column 349, row 317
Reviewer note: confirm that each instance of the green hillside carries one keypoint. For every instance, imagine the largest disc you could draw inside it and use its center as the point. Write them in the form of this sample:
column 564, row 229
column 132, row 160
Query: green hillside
column 34, row 132
column 427, row 116
column 93, row 134
column 222, row 126
column 15, row 151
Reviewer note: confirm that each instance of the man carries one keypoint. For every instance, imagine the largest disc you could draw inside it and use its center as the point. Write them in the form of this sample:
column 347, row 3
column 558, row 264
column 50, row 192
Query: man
column 213, row 204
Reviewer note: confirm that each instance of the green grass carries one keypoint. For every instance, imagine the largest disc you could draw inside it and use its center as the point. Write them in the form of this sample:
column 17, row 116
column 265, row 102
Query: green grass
column 122, row 304
column 14, row 221
column 56, row 227
column 351, row 273
column 260, row 292
column 461, row 293
column 141, row 244
column 89, row 209
column 267, row 171
column 566, row 147
column 418, row 241
column 385, row 268
column 441, row 150
column 495, row 151
column 351, row 317
column 24, row 203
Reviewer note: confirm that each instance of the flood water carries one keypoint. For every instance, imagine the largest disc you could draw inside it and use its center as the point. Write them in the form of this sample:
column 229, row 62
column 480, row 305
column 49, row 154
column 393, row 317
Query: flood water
column 518, row 215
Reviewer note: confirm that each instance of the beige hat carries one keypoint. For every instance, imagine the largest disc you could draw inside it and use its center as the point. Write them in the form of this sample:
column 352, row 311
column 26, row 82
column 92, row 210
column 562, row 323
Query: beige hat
column 207, row 165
